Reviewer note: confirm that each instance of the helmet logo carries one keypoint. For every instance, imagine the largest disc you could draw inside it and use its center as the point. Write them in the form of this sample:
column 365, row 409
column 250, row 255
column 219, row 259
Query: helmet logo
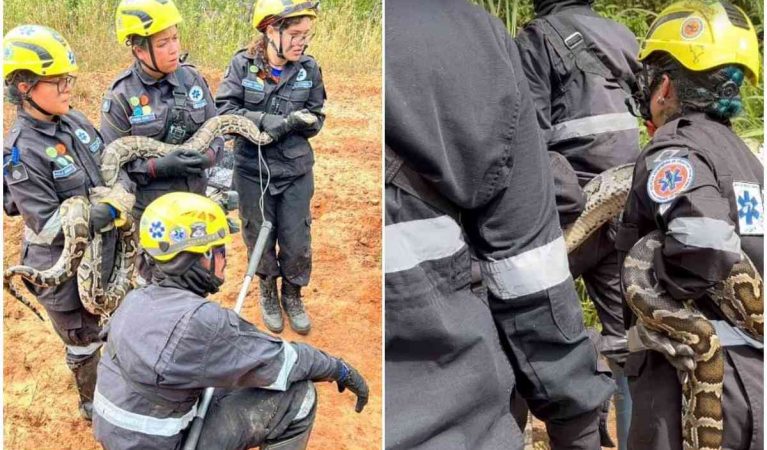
column 28, row 30
column 198, row 230
column 692, row 28
column 71, row 56
column 157, row 230
column 8, row 52
column 177, row 234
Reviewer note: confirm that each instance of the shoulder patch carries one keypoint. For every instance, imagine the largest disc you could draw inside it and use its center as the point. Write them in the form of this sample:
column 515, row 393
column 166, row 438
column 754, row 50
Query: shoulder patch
column 653, row 160
column 669, row 179
column 749, row 199
column 14, row 171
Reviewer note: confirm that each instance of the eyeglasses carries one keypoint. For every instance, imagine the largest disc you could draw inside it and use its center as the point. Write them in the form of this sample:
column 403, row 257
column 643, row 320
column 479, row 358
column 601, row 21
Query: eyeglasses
column 301, row 39
column 61, row 83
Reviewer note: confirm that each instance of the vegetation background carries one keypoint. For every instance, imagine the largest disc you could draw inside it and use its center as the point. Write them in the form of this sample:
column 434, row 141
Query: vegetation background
column 348, row 37
column 638, row 15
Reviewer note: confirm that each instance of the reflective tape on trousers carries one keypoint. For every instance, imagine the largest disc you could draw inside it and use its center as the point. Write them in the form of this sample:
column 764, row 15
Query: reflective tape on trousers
column 140, row 423
column 409, row 244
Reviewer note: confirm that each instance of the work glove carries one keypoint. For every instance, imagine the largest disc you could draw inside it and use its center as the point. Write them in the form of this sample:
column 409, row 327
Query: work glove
column 179, row 163
column 680, row 355
column 301, row 120
column 102, row 215
column 348, row 377
column 275, row 126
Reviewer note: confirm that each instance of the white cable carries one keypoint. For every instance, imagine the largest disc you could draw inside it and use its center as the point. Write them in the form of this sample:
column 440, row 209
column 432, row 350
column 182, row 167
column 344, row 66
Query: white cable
column 261, row 161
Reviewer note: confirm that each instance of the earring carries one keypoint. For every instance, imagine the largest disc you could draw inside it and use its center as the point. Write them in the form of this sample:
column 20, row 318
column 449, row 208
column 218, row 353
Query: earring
column 661, row 100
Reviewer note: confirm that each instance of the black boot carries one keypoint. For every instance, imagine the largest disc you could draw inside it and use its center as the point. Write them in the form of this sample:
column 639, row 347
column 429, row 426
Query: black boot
column 270, row 304
column 85, row 379
column 294, row 307
column 298, row 442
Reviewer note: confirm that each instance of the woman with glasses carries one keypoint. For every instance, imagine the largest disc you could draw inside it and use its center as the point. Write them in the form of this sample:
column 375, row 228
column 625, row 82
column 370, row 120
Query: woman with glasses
column 53, row 153
column 161, row 98
column 273, row 83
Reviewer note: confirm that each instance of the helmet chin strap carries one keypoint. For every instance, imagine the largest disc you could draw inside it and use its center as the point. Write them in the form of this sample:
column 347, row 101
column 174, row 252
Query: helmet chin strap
column 279, row 49
column 153, row 67
column 33, row 103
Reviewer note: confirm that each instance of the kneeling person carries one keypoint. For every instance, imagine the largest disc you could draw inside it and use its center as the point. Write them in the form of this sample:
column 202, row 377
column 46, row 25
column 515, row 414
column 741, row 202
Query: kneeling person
column 167, row 343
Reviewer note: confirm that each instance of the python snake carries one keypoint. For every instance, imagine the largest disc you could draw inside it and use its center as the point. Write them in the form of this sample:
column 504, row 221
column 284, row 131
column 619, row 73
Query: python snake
column 740, row 298
column 81, row 254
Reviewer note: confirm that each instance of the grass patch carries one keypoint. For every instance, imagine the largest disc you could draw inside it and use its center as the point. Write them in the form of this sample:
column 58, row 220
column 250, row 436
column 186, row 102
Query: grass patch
column 348, row 38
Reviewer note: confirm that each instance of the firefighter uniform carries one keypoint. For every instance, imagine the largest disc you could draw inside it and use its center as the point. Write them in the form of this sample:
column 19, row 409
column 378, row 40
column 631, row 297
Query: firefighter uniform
column 467, row 172
column 699, row 184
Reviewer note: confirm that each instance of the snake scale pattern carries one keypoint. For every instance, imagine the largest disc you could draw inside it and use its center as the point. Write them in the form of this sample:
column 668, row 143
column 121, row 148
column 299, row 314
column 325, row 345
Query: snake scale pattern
column 82, row 255
column 740, row 297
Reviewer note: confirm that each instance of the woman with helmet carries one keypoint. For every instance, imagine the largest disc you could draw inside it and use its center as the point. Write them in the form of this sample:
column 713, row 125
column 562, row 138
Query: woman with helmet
column 159, row 97
column 698, row 183
column 274, row 84
column 53, row 153
column 167, row 342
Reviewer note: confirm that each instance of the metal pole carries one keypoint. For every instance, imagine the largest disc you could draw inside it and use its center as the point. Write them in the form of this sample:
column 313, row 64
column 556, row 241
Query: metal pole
column 202, row 409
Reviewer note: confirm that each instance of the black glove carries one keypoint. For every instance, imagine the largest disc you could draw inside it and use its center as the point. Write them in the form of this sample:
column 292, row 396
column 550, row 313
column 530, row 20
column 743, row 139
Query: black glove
column 101, row 216
column 301, row 120
column 275, row 126
column 348, row 377
column 179, row 163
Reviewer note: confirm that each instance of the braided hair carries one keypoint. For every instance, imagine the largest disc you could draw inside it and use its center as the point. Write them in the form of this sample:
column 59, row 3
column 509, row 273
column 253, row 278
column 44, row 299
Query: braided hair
column 715, row 92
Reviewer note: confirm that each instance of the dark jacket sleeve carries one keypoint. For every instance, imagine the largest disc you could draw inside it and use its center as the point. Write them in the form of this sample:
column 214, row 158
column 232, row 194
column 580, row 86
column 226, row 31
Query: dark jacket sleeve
column 536, row 64
column 315, row 104
column 234, row 353
column 568, row 193
column 701, row 243
column 230, row 95
column 35, row 196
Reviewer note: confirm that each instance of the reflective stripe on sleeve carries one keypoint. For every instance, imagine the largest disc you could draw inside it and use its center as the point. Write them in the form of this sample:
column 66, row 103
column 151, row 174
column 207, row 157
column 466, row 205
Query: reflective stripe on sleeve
column 49, row 232
column 703, row 232
column 288, row 361
column 587, row 126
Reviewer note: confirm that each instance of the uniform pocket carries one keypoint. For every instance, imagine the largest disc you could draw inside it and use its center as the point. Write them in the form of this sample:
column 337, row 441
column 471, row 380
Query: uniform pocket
column 566, row 311
column 254, row 97
column 153, row 129
column 198, row 116
column 71, row 186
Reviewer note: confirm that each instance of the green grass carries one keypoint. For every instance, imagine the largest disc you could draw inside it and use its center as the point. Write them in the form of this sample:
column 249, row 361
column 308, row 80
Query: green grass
column 348, row 38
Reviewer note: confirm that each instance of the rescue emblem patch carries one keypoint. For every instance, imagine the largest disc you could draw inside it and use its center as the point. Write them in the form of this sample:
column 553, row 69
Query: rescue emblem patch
column 157, row 230
column 177, row 234
column 196, row 94
column 301, row 75
column 669, row 179
column 82, row 135
column 750, row 204
column 692, row 28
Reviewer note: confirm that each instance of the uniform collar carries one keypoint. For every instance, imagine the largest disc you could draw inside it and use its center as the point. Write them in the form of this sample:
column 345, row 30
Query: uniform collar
column 43, row 126
column 147, row 79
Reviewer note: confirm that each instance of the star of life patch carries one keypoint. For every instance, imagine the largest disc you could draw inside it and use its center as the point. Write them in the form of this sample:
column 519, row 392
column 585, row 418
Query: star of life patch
column 14, row 173
column 749, row 199
column 669, row 179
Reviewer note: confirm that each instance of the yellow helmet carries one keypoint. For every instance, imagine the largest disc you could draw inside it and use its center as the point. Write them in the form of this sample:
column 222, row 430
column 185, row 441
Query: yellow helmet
column 182, row 222
column 703, row 35
column 144, row 18
column 41, row 50
column 267, row 12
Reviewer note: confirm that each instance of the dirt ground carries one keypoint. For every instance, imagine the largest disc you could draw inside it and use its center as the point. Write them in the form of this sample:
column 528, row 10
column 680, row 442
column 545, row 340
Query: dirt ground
column 343, row 299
